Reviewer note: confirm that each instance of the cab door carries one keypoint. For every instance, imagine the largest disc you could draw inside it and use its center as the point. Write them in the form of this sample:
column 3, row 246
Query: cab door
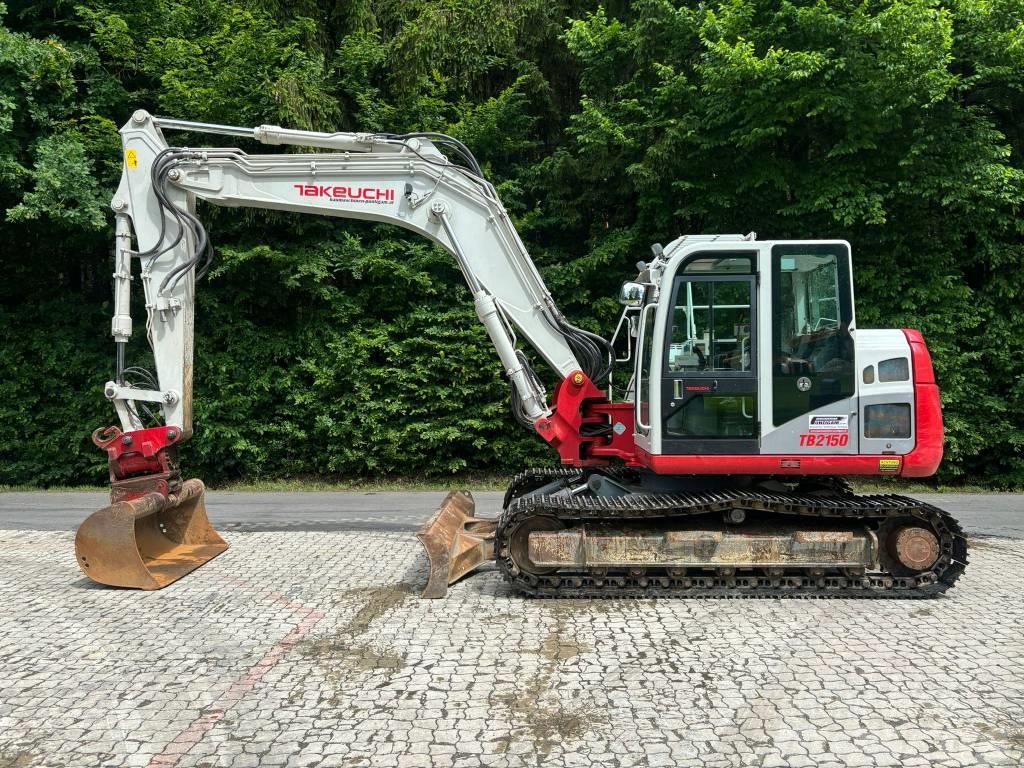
column 813, row 367
column 709, row 363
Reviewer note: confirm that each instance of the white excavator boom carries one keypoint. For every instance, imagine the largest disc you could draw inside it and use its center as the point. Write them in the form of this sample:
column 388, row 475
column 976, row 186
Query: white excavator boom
column 399, row 180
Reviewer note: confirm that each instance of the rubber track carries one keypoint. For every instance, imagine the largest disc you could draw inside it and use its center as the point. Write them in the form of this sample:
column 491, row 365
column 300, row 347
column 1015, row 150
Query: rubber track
column 531, row 479
column 698, row 582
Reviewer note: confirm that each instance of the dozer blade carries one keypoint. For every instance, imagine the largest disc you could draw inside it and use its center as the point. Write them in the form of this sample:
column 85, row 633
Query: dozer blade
column 148, row 542
column 456, row 542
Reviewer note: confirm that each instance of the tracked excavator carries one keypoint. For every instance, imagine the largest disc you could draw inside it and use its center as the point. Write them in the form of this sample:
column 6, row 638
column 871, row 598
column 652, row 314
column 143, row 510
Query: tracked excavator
column 714, row 467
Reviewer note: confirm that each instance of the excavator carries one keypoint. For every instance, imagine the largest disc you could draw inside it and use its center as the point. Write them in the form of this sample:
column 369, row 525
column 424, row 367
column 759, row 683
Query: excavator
column 717, row 468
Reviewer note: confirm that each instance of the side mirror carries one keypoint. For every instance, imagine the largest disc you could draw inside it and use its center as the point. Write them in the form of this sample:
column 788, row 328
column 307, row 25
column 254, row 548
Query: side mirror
column 632, row 294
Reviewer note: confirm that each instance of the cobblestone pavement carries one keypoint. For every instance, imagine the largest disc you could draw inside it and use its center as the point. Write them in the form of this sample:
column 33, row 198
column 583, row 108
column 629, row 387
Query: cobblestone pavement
column 311, row 649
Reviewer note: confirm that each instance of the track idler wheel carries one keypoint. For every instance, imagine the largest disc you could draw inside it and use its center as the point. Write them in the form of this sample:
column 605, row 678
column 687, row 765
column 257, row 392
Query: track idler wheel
column 914, row 547
column 908, row 546
column 519, row 543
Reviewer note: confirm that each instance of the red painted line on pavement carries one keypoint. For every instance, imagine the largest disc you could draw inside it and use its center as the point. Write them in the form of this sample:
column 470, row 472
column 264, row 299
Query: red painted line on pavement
column 199, row 727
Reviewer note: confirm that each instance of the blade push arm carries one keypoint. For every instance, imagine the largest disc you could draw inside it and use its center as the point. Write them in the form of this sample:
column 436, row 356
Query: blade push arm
column 399, row 180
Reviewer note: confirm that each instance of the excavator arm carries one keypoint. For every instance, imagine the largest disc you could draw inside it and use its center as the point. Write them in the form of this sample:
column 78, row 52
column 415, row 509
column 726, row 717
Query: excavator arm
column 399, row 179
column 405, row 181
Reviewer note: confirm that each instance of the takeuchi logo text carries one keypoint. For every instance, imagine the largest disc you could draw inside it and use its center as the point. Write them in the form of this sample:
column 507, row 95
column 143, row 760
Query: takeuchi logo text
column 347, row 194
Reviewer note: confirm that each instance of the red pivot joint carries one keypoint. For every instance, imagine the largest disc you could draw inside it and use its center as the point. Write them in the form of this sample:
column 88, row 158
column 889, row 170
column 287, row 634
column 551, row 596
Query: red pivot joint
column 141, row 461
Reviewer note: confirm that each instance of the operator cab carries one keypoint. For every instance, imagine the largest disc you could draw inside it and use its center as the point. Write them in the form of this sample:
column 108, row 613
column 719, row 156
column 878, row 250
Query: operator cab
column 747, row 348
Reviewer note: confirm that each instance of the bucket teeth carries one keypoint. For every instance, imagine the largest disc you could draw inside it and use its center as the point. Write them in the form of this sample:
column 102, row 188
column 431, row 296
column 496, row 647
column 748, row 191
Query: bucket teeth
column 148, row 542
column 456, row 542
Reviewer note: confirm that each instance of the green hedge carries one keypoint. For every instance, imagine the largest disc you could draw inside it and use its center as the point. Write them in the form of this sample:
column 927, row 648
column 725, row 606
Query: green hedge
column 340, row 349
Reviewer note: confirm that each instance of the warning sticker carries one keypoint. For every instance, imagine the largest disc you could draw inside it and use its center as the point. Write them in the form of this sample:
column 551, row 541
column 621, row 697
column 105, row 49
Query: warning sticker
column 888, row 465
column 829, row 424
column 131, row 158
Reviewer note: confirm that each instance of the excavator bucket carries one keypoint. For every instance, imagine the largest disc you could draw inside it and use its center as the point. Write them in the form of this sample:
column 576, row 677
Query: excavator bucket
column 456, row 542
column 148, row 542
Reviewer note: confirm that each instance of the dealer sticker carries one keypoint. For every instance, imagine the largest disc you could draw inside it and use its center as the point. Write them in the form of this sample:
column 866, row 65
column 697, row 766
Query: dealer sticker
column 829, row 424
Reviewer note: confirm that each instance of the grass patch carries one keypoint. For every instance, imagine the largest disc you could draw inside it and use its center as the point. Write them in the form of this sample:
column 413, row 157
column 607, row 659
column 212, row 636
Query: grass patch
column 456, row 482
column 911, row 487
column 471, row 482
column 53, row 489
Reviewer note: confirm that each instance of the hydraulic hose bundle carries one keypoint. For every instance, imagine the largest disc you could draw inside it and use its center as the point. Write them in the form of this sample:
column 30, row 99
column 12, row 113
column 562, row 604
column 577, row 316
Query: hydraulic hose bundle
column 186, row 221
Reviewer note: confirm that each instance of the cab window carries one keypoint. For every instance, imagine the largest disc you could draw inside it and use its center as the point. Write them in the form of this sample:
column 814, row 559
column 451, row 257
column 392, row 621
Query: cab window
column 812, row 349
column 711, row 327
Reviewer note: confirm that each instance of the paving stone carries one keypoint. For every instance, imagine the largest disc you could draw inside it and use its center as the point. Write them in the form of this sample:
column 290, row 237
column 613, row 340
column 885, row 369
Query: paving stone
column 312, row 649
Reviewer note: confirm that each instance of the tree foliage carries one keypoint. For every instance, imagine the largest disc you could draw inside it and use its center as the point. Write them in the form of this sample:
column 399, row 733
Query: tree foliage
column 346, row 349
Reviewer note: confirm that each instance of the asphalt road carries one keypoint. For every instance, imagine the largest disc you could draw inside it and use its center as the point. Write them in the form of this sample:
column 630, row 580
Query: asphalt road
column 264, row 511
column 986, row 514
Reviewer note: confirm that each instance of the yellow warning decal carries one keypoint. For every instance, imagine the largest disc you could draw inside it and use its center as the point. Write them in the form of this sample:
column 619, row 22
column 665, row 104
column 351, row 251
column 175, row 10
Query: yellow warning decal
column 131, row 158
column 888, row 465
